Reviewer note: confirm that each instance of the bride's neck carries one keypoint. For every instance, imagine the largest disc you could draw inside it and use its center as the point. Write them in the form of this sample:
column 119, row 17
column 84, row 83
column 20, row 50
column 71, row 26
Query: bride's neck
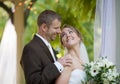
column 74, row 51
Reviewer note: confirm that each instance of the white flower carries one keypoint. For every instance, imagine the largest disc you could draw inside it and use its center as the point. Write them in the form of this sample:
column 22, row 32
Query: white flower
column 104, row 76
column 104, row 62
column 107, row 63
column 94, row 70
column 102, row 71
column 110, row 76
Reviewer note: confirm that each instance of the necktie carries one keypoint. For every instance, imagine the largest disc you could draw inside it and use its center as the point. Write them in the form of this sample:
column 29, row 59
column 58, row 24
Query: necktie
column 51, row 51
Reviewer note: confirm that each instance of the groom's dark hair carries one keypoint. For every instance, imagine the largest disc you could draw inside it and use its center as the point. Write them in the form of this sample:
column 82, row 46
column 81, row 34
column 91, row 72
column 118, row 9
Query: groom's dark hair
column 47, row 16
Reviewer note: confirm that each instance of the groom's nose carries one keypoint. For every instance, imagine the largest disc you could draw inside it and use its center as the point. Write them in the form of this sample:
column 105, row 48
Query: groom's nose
column 59, row 31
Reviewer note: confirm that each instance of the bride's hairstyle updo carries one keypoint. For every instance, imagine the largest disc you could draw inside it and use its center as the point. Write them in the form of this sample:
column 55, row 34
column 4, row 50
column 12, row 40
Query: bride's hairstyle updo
column 72, row 28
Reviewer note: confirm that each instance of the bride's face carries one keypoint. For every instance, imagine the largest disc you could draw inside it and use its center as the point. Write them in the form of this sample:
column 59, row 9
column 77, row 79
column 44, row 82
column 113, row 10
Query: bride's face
column 69, row 38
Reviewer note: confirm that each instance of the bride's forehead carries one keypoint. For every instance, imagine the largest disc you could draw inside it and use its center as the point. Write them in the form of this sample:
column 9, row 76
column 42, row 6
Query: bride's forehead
column 67, row 29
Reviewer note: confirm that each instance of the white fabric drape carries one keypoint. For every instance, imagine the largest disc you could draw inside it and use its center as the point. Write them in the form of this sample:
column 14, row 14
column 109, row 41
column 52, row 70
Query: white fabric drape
column 108, row 25
column 106, row 36
column 8, row 48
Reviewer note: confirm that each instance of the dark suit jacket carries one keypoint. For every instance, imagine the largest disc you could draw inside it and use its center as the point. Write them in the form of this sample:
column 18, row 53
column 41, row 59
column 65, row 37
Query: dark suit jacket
column 38, row 64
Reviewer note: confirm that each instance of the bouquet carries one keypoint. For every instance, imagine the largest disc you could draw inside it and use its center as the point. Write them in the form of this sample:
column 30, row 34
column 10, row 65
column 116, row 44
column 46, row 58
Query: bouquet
column 102, row 71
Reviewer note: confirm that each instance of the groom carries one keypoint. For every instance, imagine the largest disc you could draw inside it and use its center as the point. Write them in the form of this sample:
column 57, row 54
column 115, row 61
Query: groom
column 39, row 61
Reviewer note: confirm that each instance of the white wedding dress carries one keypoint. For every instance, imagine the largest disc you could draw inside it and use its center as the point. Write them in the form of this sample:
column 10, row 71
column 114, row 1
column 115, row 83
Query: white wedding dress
column 79, row 76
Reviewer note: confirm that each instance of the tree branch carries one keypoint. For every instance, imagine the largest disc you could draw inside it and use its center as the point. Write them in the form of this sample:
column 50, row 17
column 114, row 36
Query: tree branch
column 27, row 11
column 11, row 14
column 8, row 10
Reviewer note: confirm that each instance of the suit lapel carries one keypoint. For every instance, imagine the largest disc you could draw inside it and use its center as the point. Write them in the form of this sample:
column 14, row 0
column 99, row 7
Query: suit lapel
column 45, row 48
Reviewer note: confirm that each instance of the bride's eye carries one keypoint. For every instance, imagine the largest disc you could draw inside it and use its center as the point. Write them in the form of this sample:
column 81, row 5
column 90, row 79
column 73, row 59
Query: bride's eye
column 63, row 35
column 70, row 32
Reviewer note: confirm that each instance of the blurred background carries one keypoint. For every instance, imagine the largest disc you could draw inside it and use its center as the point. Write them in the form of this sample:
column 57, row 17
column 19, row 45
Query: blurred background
column 97, row 20
column 79, row 13
column 24, row 13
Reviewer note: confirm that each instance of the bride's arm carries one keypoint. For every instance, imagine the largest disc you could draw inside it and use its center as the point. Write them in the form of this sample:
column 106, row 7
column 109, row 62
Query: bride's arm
column 65, row 76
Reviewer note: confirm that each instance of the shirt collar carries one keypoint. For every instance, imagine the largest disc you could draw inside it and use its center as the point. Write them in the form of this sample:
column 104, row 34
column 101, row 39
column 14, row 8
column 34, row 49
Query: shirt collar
column 43, row 39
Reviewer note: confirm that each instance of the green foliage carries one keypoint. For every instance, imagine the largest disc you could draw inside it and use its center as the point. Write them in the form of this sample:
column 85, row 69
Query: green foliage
column 3, row 19
column 78, row 13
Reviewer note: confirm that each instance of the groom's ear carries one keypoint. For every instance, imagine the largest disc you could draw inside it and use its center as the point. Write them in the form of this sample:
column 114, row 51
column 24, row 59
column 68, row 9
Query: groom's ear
column 44, row 27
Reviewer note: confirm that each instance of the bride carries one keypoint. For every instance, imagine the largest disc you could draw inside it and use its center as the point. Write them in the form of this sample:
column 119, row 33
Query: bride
column 71, row 39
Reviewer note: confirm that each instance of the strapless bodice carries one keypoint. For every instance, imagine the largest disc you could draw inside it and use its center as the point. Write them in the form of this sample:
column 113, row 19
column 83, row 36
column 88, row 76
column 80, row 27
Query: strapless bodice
column 77, row 77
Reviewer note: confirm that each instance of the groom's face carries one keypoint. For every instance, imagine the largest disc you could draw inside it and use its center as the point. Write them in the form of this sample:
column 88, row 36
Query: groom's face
column 53, row 30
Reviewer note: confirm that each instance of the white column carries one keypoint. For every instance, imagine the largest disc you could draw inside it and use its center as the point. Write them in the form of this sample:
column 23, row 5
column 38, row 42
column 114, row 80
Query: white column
column 118, row 34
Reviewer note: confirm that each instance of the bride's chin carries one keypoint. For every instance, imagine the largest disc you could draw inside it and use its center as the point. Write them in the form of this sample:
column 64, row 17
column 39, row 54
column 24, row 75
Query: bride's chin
column 69, row 46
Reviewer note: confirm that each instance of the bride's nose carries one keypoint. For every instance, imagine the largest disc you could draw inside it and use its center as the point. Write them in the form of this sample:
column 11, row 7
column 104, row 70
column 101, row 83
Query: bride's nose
column 68, row 35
